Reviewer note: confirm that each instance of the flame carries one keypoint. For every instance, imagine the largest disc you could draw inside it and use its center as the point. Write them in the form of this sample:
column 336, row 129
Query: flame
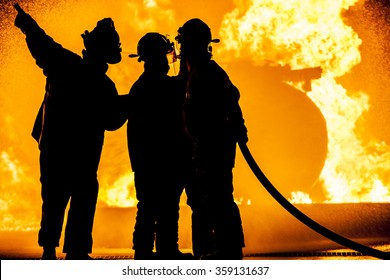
column 147, row 16
column 8, row 165
column 300, row 198
column 14, row 176
column 120, row 193
column 312, row 33
column 243, row 201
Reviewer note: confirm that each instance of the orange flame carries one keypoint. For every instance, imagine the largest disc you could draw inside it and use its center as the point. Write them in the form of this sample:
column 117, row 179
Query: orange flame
column 120, row 193
column 307, row 34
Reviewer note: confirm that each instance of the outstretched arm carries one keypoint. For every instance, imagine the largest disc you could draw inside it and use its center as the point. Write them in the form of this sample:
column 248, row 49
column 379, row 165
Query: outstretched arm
column 42, row 47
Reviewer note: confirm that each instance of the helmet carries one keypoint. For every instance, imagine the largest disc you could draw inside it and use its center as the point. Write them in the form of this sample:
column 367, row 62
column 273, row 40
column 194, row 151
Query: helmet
column 104, row 41
column 153, row 45
column 196, row 31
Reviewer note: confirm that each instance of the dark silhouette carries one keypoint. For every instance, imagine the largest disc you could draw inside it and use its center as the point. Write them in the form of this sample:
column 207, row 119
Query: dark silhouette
column 201, row 229
column 156, row 143
column 80, row 103
column 214, row 123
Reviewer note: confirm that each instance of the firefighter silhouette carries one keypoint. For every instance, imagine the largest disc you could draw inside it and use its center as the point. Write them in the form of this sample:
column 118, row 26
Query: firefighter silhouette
column 214, row 123
column 157, row 150
column 80, row 103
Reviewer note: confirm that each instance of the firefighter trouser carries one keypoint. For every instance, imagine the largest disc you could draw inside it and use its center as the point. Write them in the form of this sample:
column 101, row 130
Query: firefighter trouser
column 218, row 211
column 202, row 232
column 158, row 195
column 63, row 181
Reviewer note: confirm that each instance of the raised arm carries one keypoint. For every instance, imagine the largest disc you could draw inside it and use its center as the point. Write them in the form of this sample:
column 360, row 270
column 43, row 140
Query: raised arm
column 42, row 47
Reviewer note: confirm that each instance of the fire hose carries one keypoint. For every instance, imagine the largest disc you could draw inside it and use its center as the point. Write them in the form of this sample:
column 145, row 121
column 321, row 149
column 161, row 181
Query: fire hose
column 304, row 218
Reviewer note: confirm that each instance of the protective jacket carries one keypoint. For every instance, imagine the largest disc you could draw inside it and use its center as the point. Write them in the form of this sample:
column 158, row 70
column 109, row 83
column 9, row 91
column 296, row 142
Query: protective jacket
column 213, row 116
column 155, row 128
column 80, row 100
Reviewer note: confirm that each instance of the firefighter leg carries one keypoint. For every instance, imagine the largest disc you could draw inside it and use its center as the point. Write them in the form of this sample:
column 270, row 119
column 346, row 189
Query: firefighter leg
column 78, row 232
column 224, row 213
column 144, row 229
column 55, row 197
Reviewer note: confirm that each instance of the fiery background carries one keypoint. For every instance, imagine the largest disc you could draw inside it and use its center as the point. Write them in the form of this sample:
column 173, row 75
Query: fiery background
column 320, row 140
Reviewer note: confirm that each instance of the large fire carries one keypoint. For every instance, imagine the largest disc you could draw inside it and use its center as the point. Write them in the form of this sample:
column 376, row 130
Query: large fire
column 313, row 33
column 340, row 158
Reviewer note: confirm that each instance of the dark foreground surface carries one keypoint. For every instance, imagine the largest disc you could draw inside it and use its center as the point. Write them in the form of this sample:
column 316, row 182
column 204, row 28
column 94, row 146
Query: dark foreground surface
column 271, row 235
column 124, row 254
